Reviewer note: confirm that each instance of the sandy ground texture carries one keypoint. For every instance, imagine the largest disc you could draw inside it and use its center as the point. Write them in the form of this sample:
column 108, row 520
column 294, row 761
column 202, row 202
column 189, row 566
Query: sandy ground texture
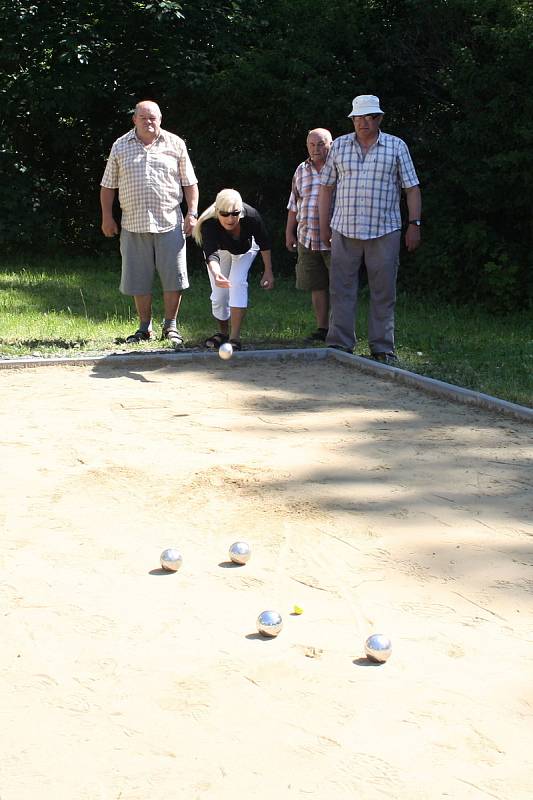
column 371, row 506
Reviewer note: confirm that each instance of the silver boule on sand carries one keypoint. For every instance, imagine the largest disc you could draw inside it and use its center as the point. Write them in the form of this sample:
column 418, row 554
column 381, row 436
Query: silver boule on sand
column 269, row 623
column 225, row 351
column 171, row 559
column 240, row 552
column 378, row 647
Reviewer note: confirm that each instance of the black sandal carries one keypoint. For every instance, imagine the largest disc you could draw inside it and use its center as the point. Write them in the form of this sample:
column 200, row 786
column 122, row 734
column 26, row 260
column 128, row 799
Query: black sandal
column 214, row 341
column 139, row 336
column 236, row 344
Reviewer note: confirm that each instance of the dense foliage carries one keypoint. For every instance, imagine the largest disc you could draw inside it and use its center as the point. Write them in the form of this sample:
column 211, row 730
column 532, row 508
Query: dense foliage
column 242, row 82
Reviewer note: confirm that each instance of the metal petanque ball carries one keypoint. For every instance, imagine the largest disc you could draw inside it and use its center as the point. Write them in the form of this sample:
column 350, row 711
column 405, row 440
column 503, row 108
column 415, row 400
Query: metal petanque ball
column 171, row 559
column 269, row 623
column 240, row 552
column 225, row 351
column 378, row 647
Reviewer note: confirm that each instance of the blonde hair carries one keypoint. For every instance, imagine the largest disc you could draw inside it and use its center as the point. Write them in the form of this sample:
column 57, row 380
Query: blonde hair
column 226, row 200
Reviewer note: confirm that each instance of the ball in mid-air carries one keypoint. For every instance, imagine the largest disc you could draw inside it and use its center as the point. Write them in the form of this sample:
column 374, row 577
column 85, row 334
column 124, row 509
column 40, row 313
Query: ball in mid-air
column 269, row 623
column 171, row 559
column 378, row 647
column 225, row 351
column 240, row 552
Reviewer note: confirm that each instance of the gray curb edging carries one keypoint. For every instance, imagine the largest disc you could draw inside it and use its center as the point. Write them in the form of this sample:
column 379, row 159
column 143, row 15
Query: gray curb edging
column 441, row 388
column 429, row 385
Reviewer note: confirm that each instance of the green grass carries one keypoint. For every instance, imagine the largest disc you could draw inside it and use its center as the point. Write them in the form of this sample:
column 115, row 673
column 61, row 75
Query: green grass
column 66, row 307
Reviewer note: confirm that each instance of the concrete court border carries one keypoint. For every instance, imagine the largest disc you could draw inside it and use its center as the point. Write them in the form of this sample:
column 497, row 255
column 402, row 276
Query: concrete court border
column 429, row 385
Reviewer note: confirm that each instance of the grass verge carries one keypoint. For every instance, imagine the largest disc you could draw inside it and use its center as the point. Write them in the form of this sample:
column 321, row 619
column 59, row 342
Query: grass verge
column 58, row 308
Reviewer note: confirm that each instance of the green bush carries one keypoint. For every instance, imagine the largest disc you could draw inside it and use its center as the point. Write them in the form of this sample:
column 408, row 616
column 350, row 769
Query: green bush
column 243, row 82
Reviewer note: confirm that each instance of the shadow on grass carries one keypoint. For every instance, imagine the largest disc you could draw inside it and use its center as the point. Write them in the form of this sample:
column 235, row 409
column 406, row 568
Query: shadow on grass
column 63, row 344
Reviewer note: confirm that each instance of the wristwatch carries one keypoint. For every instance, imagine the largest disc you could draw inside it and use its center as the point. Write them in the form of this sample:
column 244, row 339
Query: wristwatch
column 417, row 222
column 193, row 214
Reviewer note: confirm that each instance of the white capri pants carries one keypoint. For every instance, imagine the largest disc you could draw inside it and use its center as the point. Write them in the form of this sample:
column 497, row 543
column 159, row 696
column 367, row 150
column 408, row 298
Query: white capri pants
column 236, row 268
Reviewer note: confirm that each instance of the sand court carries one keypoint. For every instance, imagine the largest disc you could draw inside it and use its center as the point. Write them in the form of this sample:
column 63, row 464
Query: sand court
column 371, row 505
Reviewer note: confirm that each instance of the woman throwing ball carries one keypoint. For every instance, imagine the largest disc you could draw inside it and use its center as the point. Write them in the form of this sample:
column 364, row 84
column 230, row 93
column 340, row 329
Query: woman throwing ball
column 231, row 233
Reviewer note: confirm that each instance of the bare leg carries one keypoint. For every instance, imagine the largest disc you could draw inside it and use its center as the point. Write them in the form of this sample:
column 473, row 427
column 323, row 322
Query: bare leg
column 143, row 304
column 223, row 326
column 171, row 302
column 237, row 318
column 320, row 301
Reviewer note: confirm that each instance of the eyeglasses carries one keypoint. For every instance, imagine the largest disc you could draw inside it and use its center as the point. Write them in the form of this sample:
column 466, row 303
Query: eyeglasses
column 230, row 213
column 366, row 116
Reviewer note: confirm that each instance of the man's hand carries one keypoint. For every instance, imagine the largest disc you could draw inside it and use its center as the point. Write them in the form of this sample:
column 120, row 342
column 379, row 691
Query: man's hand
column 189, row 224
column 412, row 238
column 291, row 242
column 109, row 227
column 325, row 235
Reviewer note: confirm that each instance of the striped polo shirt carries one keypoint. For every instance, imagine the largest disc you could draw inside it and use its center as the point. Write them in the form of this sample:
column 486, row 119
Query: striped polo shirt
column 367, row 203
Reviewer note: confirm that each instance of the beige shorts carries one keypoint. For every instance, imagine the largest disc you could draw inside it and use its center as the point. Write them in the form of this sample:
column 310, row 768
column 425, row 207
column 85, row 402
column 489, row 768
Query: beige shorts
column 312, row 269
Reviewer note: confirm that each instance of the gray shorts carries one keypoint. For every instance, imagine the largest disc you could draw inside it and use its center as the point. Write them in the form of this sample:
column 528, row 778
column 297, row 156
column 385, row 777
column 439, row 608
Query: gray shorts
column 312, row 269
column 143, row 253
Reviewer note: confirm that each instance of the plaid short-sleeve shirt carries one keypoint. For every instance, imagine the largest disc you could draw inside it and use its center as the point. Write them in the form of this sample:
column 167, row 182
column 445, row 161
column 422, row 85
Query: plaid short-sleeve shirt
column 367, row 203
column 304, row 201
column 149, row 181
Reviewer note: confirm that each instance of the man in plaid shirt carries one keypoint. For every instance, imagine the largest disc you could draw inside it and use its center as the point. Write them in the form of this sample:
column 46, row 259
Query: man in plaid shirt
column 368, row 169
column 303, row 230
column 152, row 171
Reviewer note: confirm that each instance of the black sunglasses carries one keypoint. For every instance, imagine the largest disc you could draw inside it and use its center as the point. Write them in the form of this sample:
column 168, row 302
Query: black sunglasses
column 229, row 213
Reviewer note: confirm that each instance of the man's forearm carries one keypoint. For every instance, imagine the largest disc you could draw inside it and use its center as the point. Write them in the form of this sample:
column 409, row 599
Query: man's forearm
column 107, row 198
column 324, row 212
column 290, row 231
column 290, row 227
column 191, row 197
column 413, row 198
column 414, row 207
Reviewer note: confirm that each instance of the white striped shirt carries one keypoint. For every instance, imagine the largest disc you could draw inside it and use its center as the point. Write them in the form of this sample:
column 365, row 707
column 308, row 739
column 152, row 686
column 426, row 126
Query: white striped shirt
column 149, row 180
column 367, row 203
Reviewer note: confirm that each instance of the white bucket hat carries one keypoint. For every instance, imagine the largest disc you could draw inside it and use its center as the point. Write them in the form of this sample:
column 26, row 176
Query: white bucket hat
column 365, row 104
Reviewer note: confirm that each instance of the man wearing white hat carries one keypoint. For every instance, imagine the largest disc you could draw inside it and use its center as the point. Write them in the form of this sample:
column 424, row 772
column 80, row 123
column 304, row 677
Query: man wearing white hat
column 368, row 169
